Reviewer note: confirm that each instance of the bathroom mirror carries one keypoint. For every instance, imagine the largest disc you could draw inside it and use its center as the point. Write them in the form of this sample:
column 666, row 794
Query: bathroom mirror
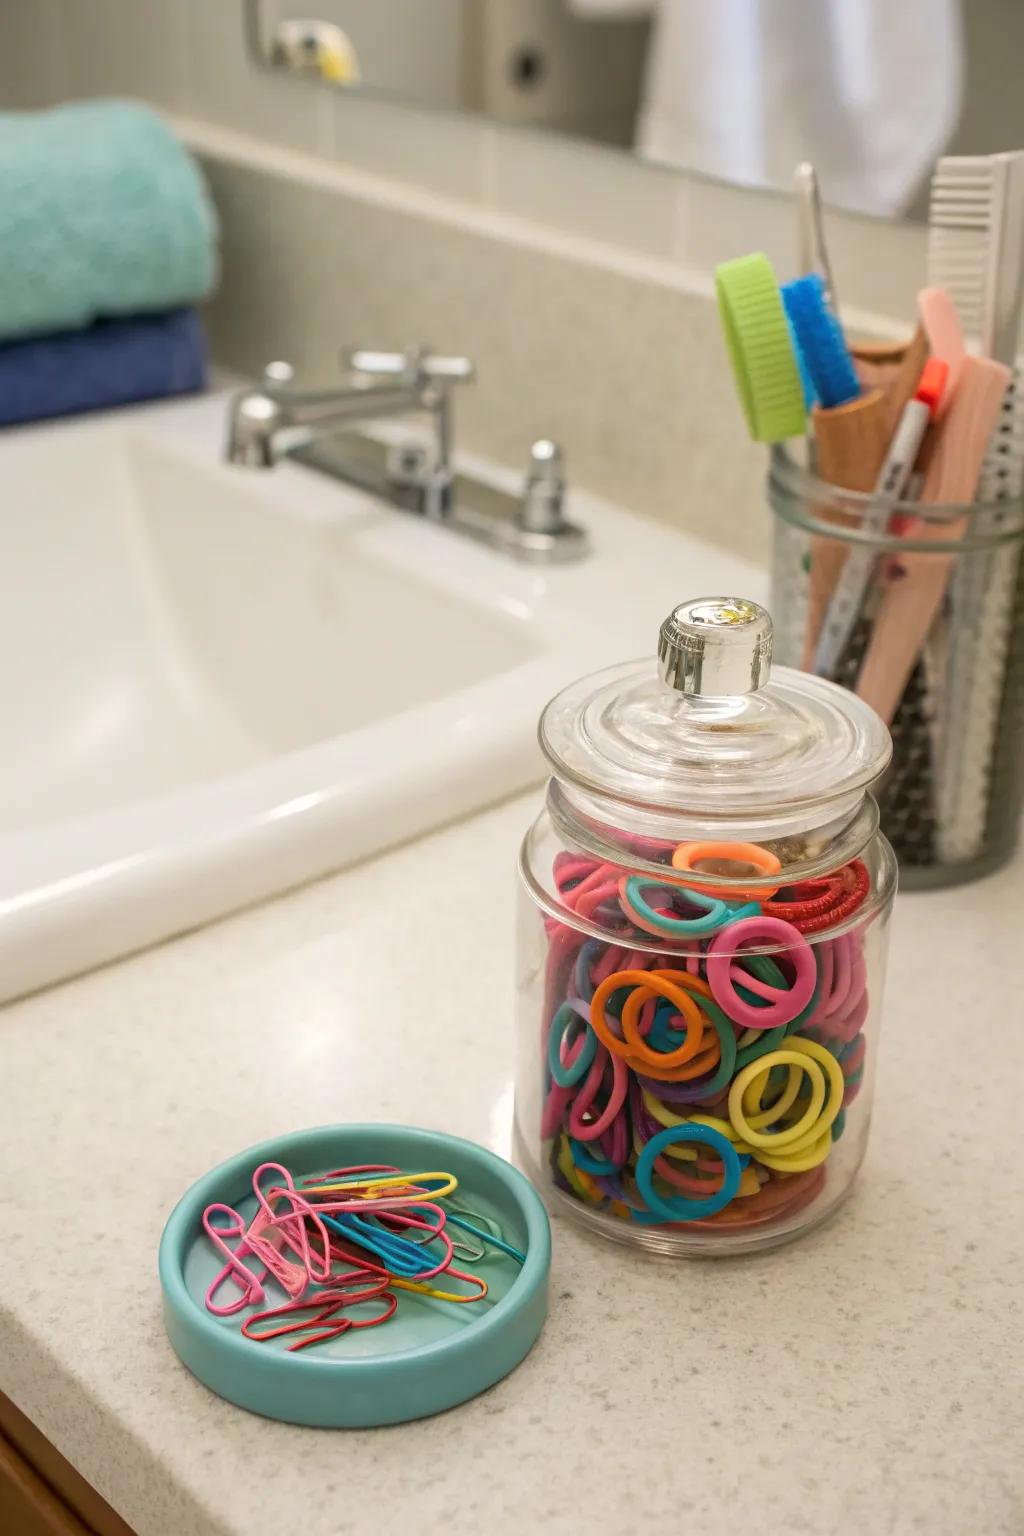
column 871, row 91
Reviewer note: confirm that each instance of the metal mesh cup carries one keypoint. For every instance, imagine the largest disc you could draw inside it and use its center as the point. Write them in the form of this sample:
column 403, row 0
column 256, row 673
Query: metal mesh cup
column 951, row 799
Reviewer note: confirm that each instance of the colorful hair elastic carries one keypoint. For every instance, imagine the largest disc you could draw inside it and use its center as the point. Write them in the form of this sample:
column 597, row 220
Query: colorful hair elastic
column 715, row 914
column 676, row 1208
column 780, row 1004
column 814, row 905
column 712, row 1014
column 751, row 857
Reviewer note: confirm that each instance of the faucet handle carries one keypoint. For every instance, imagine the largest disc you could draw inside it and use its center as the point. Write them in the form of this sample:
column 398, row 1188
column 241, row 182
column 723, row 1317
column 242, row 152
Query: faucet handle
column 542, row 530
column 452, row 370
column 279, row 375
column 544, row 489
column 417, row 364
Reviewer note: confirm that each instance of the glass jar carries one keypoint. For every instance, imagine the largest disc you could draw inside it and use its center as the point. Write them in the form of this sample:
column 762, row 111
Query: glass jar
column 702, row 940
column 933, row 635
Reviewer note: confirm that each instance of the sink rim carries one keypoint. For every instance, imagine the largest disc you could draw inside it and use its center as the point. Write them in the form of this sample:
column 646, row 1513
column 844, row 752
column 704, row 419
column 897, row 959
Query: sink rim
column 78, row 893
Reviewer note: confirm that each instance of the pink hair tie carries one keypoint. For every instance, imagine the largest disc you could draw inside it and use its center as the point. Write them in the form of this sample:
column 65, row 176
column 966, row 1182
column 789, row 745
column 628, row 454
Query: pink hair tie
column 589, row 1089
column 847, row 1028
column 572, row 869
column 607, row 964
column 844, row 989
column 599, row 876
column 781, row 1004
column 555, row 1106
column 842, row 978
column 587, row 902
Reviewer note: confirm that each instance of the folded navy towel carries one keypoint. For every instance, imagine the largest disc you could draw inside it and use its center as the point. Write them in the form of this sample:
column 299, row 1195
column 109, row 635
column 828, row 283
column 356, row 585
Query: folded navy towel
column 114, row 362
column 102, row 213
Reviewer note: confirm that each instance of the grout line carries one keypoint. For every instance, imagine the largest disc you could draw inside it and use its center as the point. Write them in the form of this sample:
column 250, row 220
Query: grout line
column 181, row 41
column 60, row 76
column 326, row 127
column 409, row 198
column 489, row 221
column 488, row 188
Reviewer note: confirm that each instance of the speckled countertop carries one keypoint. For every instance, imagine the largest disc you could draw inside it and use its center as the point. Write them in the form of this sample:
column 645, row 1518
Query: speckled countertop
column 865, row 1380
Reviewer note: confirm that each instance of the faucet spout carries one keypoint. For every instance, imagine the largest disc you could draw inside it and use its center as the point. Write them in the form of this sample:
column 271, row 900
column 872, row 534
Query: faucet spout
column 265, row 424
column 275, row 419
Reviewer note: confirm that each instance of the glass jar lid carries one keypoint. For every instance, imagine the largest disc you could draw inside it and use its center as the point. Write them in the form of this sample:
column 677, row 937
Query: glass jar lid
column 709, row 731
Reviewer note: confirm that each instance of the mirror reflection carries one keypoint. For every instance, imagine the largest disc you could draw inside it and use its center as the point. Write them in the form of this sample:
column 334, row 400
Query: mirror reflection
column 871, row 91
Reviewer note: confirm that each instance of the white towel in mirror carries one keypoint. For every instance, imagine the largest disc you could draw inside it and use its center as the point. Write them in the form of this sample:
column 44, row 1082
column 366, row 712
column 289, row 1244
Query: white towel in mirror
column 869, row 90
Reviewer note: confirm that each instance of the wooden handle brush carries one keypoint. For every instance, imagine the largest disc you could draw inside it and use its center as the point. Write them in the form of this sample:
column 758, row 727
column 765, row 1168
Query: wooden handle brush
column 852, row 440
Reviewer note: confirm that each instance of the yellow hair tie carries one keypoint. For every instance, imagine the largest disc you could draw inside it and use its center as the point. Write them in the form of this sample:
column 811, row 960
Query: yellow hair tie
column 799, row 1162
column 806, row 1136
column 684, row 1153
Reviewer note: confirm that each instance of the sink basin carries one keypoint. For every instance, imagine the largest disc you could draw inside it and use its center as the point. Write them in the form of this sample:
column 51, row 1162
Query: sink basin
column 218, row 683
column 187, row 631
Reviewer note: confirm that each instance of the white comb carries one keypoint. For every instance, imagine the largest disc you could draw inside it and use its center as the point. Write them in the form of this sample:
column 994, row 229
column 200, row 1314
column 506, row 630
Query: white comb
column 976, row 246
column 976, row 253
column 983, row 595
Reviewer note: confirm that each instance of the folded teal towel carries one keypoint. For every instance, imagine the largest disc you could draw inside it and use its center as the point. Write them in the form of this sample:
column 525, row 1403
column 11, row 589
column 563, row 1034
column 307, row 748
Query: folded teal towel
column 102, row 213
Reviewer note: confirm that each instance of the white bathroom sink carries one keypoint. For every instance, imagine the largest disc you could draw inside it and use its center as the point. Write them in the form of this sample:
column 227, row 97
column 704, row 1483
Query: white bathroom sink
column 216, row 683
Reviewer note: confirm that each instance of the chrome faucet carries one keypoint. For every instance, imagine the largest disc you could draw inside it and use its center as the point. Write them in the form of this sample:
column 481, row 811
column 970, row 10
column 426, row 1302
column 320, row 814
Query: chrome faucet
column 278, row 419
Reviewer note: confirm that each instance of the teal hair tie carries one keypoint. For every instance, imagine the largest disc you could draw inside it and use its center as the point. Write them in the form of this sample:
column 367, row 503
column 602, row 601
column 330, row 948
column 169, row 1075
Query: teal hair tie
column 677, row 1208
column 568, row 1076
column 717, row 914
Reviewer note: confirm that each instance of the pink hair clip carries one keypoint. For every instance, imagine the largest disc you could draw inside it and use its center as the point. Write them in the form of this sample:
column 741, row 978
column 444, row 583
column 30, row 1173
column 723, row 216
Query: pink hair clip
column 291, row 1225
column 264, row 1238
column 250, row 1284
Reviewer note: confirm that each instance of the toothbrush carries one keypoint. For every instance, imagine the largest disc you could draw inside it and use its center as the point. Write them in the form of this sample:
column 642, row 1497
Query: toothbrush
column 976, row 252
column 820, row 340
column 813, row 252
column 826, row 556
column 849, row 431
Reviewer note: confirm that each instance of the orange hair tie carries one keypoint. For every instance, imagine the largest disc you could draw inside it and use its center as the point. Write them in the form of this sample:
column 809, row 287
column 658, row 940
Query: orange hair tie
column 689, row 1061
column 688, row 855
column 652, row 983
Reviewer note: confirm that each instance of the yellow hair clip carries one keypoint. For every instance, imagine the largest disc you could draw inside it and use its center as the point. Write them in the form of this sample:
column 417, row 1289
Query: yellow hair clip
column 366, row 1189
column 422, row 1289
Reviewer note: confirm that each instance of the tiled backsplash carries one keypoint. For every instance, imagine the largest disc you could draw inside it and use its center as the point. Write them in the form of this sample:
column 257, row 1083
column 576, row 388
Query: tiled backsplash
column 610, row 362
column 577, row 278
column 189, row 57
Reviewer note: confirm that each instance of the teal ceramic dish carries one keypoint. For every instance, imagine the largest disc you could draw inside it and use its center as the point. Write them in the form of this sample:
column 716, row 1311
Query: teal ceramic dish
column 429, row 1357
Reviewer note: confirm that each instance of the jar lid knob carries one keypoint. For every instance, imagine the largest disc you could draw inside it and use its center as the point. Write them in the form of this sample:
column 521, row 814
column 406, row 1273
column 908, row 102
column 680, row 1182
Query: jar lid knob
column 715, row 647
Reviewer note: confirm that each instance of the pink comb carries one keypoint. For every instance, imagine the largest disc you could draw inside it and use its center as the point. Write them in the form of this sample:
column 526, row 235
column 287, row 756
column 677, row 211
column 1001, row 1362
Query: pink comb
column 909, row 606
column 945, row 338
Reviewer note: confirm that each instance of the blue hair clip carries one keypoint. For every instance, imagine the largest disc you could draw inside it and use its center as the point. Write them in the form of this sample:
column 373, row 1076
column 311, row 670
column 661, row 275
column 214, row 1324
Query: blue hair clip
column 399, row 1255
column 484, row 1236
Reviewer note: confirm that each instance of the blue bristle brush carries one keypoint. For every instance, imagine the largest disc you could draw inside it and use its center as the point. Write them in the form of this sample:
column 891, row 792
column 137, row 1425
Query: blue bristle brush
column 820, row 340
